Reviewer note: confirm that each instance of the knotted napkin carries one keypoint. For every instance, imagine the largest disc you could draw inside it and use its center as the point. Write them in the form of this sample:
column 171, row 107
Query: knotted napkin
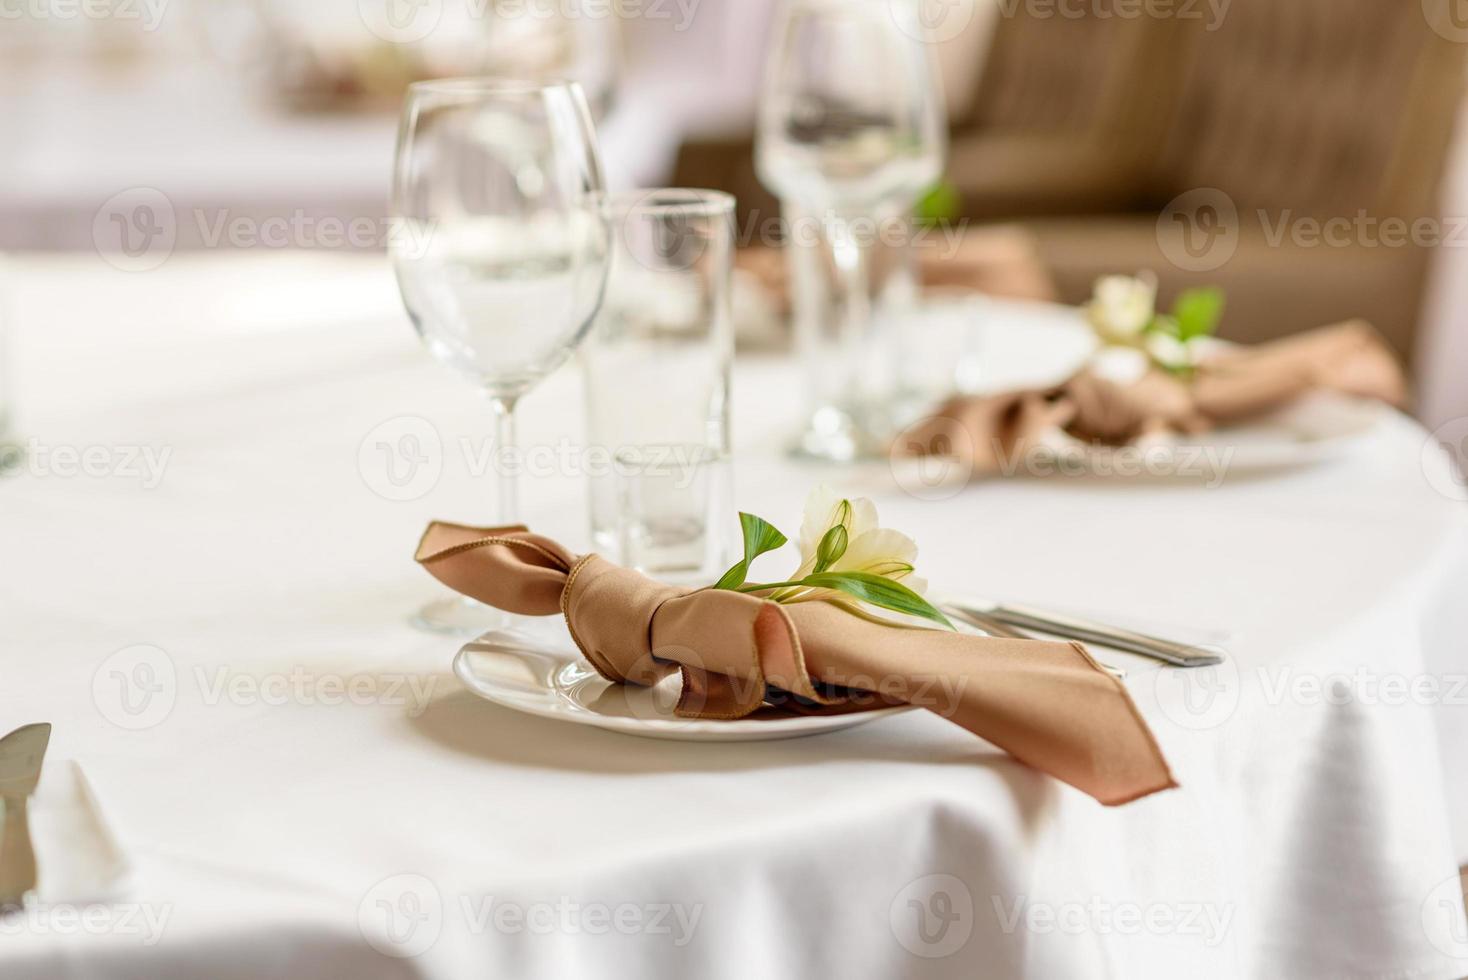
column 1233, row 385
column 1048, row 704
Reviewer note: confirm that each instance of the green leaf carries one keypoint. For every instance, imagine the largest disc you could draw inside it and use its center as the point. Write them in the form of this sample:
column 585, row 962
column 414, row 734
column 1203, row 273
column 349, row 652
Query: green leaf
column 1197, row 312
column 760, row 536
column 877, row 591
column 832, row 547
column 940, row 205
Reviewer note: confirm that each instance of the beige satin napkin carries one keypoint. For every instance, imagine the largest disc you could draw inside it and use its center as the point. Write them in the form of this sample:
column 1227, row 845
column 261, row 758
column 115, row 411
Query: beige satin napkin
column 1230, row 387
column 1046, row 703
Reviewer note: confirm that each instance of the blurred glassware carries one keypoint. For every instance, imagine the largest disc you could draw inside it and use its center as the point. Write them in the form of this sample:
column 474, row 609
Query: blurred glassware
column 350, row 55
column 850, row 133
column 657, row 386
column 10, row 451
column 500, row 244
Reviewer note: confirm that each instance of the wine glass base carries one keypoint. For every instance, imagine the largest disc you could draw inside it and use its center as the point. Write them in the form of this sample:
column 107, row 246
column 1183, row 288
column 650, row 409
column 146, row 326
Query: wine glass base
column 835, row 436
column 461, row 616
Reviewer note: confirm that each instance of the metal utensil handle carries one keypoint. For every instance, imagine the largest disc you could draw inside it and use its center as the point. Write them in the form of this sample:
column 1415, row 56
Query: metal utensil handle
column 1181, row 654
column 17, row 856
column 994, row 627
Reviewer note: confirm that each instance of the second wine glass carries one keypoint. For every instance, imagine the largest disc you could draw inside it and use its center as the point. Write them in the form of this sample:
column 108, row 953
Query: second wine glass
column 851, row 131
column 501, row 250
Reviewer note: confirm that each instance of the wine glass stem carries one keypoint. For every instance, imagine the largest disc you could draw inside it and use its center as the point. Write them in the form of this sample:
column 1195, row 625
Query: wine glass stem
column 851, row 264
column 506, row 466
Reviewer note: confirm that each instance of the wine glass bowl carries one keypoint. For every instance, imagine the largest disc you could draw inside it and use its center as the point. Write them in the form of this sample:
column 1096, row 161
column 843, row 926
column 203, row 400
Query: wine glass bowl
column 851, row 117
column 501, row 255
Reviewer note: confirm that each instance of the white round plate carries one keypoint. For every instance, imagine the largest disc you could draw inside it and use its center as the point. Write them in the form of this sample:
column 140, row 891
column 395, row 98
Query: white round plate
column 546, row 676
column 1318, row 428
column 999, row 345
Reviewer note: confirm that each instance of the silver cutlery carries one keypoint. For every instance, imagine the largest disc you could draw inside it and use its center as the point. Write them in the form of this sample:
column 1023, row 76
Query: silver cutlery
column 21, row 755
column 995, row 627
column 1076, row 628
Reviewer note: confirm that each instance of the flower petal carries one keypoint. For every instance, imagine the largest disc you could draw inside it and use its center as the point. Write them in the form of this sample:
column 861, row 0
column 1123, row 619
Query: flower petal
column 868, row 551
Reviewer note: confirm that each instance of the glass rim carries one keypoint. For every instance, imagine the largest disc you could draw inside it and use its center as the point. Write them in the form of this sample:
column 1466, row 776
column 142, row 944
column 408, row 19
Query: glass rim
column 696, row 201
column 490, row 85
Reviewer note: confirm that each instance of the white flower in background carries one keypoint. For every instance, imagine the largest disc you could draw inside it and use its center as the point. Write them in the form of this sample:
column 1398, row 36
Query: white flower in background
column 868, row 548
column 1174, row 354
column 1122, row 307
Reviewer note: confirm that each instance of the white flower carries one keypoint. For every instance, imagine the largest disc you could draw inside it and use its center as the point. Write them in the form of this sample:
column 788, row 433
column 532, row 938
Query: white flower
column 1121, row 307
column 1174, row 354
column 869, row 548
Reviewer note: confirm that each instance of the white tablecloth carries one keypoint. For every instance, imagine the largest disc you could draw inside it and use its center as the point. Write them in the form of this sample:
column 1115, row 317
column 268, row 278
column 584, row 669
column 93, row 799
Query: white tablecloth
column 219, row 633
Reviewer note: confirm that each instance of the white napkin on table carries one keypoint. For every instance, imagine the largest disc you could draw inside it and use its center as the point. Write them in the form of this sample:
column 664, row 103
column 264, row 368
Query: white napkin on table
column 77, row 856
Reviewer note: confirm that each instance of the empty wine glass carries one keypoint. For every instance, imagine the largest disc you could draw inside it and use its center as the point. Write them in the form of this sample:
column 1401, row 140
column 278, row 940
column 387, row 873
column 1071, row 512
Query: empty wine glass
column 851, row 132
column 500, row 248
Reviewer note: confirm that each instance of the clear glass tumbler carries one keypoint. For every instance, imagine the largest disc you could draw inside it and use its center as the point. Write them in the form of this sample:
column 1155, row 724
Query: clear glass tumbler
column 657, row 368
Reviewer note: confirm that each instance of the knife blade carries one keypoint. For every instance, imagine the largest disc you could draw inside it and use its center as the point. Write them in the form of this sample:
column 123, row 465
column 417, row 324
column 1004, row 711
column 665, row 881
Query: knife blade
column 1078, row 628
column 22, row 753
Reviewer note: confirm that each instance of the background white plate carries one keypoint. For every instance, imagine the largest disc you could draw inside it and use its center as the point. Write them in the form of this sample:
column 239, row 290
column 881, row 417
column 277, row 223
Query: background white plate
column 1000, row 345
column 545, row 675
